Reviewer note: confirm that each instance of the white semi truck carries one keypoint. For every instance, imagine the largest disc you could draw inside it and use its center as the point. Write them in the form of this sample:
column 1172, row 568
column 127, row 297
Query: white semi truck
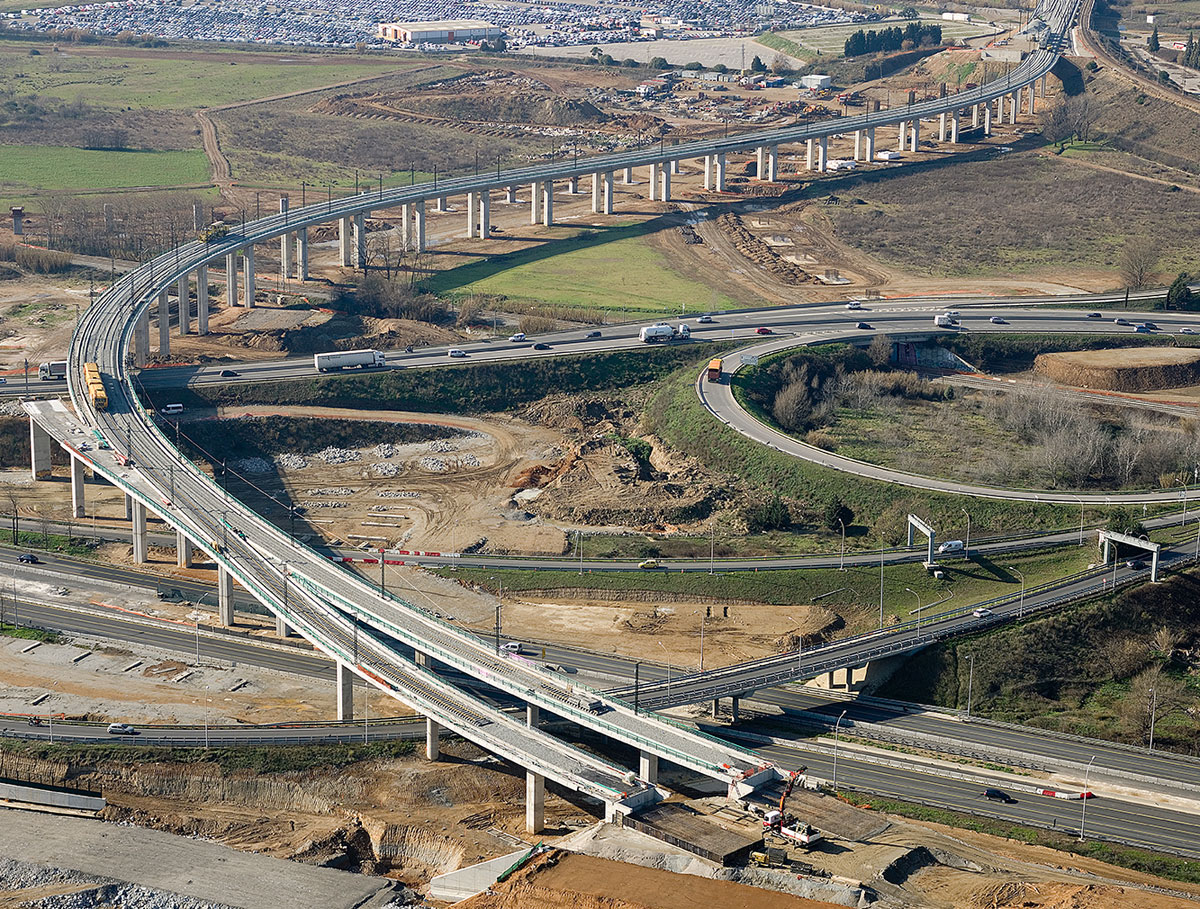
column 56, row 369
column 662, row 331
column 346, row 359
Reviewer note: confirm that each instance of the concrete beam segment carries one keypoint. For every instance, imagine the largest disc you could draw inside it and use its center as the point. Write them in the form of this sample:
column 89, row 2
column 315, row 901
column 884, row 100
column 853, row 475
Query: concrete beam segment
column 708, row 172
column 535, row 802
column 942, row 126
column 77, row 480
column 202, row 300
column 248, row 268
column 472, row 217
column 648, row 767
column 535, row 203
column 139, row 532
column 533, row 714
column 808, row 156
column 485, row 214
column 433, row 745
column 231, row 279
column 628, row 178
column 666, row 184
column 654, row 168
column 858, row 145
column 345, row 693
column 721, row 173
column 360, row 240
column 419, row 226
column 344, row 241
column 597, row 179
column 608, row 193
column 184, row 302
column 510, row 195
column 302, row 254
column 773, row 163
column 823, row 154
column 954, row 129
column 548, row 203
column 141, row 340
column 183, row 550
column 224, row 597
column 164, row 324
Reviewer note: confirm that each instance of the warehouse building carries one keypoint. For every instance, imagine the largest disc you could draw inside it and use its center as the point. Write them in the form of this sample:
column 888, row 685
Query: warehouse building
column 449, row 31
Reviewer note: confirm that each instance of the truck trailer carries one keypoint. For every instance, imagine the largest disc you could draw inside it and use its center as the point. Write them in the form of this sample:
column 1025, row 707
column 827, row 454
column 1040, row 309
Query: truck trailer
column 663, row 331
column 714, row 369
column 56, row 369
column 346, row 359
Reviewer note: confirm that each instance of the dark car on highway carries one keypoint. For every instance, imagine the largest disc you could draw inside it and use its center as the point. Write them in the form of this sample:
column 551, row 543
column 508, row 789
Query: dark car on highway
column 998, row 795
column 229, row 373
column 28, row 558
column 541, row 345
column 592, row 334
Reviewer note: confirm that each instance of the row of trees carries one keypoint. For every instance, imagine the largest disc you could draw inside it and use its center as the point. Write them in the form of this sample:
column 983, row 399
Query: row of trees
column 915, row 34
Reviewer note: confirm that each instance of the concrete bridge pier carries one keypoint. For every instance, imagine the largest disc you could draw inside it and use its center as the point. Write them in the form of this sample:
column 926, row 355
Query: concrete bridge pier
column 139, row 532
column 344, row 241
column 773, row 163
column 608, row 193
column 510, row 194
column 573, row 187
column 648, row 767
column 597, row 179
column 987, row 120
column 858, row 144
column 183, row 550
column 406, row 226
column 248, row 269
column 654, row 168
column 666, row 184
column 869, row 151
column 485, row 215
column 360, row 240
column 823, row 154
column 77, row 481
column 472, row 218
column 760, row 169
column 901, row 135
column 285, row 245
column 535, row 202
column 184, row 301
column 942, row 126
column 231, row 279
column 1016, row 104
column 433, row 745
column 164, row 324
column 708, row 170
column 954, row 128
column 721, row 173
column 419, row 226
column 808, row 157
column 224, row 596
column 975, row 116
column 141, row 340
column 302, row 254
column 422, row 659
column 674, row 166
column 1032, row 95
column 916, row 135
column 533, row 715
column 628, row 177
column 202, row 300
column 440, row 205
column 345, row 693
column 282, row 628
column 535, row 802
column 548, row 203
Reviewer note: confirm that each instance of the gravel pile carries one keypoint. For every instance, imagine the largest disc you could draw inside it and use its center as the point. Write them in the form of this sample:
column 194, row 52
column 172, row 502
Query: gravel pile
column 441, row 445
column 385, row 450
column 291, row 461
column 335, row 455
column 385, row 469
column 331, row 491
column 104, row 892
column 322, row 504
column 252, row 465
column 397, row 494
column 468, row 460
column 435, row 465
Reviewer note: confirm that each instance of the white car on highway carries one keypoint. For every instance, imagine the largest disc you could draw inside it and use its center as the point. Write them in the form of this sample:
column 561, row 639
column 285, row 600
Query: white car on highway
column 456, row 352
column 519, row 336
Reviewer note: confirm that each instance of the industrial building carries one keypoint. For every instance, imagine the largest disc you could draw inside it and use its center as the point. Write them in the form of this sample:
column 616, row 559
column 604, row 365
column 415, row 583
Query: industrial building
column 448, row 31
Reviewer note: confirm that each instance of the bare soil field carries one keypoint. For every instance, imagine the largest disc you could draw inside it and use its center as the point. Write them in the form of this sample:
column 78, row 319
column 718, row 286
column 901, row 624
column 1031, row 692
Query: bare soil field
column 1131, row 369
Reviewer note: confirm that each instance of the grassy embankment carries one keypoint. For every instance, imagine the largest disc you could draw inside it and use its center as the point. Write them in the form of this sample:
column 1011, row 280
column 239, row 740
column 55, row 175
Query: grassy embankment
column 1170, row 867
column 62, row 168
column 611, row 271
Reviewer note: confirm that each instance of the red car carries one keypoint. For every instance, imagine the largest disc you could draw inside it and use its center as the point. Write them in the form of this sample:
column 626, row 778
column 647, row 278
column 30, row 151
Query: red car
column 762, row 331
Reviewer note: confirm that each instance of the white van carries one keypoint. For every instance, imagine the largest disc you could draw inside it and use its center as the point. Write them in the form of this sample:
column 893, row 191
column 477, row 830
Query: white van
column 519, row 336
column 951, row 546
column 511, row 647
column 171, row 409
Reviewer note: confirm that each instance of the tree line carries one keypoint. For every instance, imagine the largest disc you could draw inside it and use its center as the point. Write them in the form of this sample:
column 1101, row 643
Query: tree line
column 915, row 34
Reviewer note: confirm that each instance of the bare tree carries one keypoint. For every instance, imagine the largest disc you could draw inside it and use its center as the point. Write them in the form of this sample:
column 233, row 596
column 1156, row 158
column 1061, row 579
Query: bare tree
column 1056, row 122
column 1082, row 115
column 1138, row 261
column 880, row 350
column 11, row 493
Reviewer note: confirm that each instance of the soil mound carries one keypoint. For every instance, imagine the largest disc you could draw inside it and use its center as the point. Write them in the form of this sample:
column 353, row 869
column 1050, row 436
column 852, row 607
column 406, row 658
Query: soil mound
column 1133, row 369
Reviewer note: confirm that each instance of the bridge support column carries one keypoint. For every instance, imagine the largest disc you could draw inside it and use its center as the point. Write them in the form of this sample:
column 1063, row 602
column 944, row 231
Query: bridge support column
column 282, row 628
column 184, row 295
column 627, row 179
column 975, row 116
column 248, row 266
column 1016, row 104
column 224, row 597
column 302, row 254
column 344, row 242
column 360, row 240
column 231, row 279
column 533, row 715
column 721, row 173
column 202, row 300
column 608, row 193
column 535, row 802
column 421, row 659
column 674, row 166
column 472, row 218
column 901, row 135
column 433, row 745
column 654, row 168
column 648, row 767
column 987, row 120
column 773, row 163
column 128, row 507
column 183, row 550
column 548, row 203
column 808, row 155
column 485, row 214
column 345, row 693
column 510, row 195
column 573, row 186
column 823, row 154
column 141, row 340
column 708, row 170
column 419, row 226
column 858, row 145
column 139, row 532
column 734, row 704
column 666, row 184
column 440, row 205
column 942, row 126
column 916, row 135
column 535, row 202
column 285, row 245
column 761, row 166
column 716, row 707
column 406, row 226
column 1032, row 95
column 597, row 179
column 77, row 480
column 39, row 451
column 954, row 128
column 164, row 324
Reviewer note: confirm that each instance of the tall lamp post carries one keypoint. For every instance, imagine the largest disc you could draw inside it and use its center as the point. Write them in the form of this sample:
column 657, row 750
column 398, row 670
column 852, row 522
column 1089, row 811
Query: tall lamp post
column 1083, row 814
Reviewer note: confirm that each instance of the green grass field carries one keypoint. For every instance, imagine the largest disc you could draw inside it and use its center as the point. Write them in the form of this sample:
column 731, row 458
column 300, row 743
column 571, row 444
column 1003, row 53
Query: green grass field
column 166, row 79
column 607, row 269
column 830, row 40
column 58, row 167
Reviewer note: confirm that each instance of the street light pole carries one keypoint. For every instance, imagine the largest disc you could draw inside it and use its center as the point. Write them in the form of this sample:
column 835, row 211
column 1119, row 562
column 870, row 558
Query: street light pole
column 967, row 545
column 1021, row 575
column 1083, row 814
column 835, row 749
column 881, row 586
